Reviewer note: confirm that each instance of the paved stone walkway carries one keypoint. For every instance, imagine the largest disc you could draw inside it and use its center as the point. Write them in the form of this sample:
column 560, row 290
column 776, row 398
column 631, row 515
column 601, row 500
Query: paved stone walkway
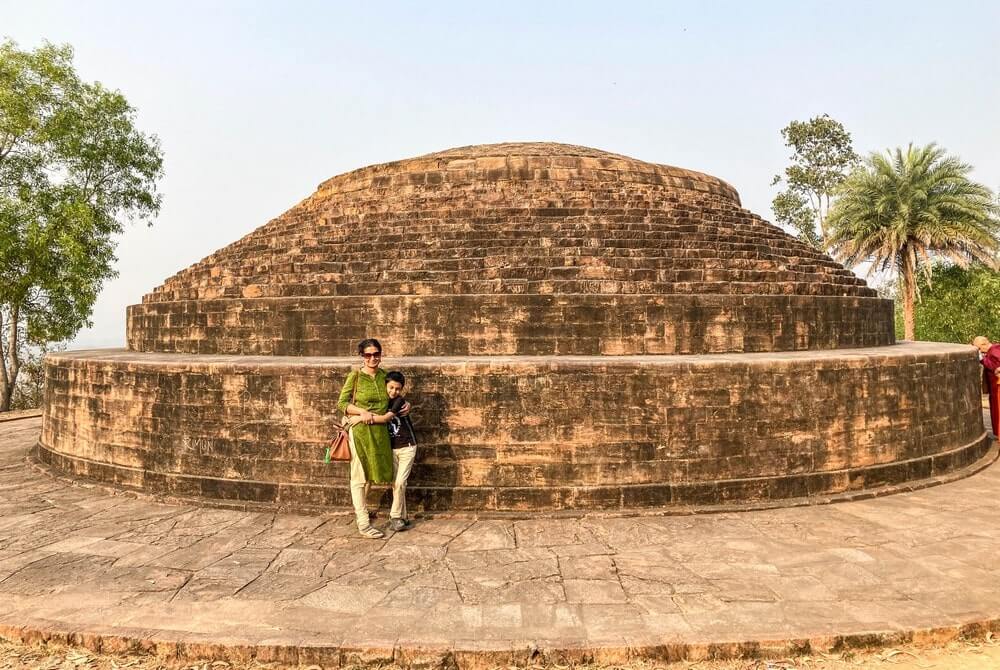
column 77, row 563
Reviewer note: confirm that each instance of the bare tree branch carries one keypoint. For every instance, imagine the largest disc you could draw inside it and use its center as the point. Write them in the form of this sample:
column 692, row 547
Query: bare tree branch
column 4, row 381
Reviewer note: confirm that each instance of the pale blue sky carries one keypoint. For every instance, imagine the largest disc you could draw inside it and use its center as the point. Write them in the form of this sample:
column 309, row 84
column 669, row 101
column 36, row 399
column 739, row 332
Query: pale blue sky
column 257, row 103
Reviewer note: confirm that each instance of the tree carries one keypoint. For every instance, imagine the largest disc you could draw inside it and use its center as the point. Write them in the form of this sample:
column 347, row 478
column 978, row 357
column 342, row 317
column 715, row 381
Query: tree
column 902, row 209
column 822, row 156
column 73, row 170
column 956, row 304
column 792, row 210
column 30, row 389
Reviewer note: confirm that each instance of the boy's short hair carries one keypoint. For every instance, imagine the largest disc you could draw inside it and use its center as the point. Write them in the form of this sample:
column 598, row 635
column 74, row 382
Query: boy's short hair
column 395, row 376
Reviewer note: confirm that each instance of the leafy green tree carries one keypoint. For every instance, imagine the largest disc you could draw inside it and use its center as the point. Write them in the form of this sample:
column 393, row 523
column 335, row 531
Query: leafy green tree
column 30, row 389
column 901, row 210
column 73, row 170
column 956, row 304
column 822, row 156
column 793, row 210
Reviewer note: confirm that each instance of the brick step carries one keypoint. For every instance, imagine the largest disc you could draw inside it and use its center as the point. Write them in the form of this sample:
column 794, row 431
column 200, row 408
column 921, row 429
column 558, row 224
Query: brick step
column 405, row 232
column 577, row 187
column 538, row 254
column 409, row 233
column 515, row 287
column 334, row 227
column 303, row 269
column 296, row 463
column 532, row 273
column 431, row 259
column 538, row 280
column 542, row 246
column 506, row 324
column 607, row 287
column 567, row 261
column 400, row 273
column 393, row 226
column 533, row 189
column 444, row 283
column 330, row 221
column 551, row 247
column 611, row 453
column 657, row 281
column 325, row 219
column 515, row 233
column 501, row 180
column 470, row 200
column 663, row 278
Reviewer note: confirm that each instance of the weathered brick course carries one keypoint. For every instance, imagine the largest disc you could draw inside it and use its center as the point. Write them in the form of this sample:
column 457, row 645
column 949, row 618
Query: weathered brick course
column 440, row 325
column 524, row 433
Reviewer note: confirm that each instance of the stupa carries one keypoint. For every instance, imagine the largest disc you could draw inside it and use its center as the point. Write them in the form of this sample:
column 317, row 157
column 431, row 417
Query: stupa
column 581, row 331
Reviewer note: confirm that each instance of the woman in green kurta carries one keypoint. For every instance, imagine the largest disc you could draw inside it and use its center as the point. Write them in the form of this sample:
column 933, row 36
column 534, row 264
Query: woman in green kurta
column 371, row 454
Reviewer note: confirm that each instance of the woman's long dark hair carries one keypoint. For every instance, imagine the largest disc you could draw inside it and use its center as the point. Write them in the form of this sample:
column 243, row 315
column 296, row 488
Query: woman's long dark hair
column 370, row 342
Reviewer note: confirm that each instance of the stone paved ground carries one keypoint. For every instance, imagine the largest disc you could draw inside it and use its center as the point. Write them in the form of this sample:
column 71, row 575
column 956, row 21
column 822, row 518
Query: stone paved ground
column 78, row 561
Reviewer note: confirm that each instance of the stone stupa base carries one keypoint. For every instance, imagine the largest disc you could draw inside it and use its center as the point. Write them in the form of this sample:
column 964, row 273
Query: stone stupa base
column 522, row 433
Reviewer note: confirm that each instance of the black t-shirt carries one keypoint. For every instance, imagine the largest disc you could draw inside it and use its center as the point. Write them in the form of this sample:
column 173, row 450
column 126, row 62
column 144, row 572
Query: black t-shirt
column 401, row 432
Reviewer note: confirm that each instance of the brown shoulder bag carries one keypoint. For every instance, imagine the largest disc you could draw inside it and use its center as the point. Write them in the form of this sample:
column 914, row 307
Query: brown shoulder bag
column 340, row 445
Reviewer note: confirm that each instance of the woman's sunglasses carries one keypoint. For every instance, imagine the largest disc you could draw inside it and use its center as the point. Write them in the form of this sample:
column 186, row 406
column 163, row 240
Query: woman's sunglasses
column 367, row 356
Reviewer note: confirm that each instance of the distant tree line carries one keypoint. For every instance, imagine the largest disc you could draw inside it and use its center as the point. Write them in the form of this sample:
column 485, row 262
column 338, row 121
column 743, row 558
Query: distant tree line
column 914, row 214
column 956, row 304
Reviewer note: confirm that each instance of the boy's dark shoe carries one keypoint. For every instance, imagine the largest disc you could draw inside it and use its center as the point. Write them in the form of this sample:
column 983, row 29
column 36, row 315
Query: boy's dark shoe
column 399, row 524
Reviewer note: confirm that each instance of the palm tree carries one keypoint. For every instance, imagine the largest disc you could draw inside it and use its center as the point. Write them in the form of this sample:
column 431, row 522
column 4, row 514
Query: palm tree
column 900, row 209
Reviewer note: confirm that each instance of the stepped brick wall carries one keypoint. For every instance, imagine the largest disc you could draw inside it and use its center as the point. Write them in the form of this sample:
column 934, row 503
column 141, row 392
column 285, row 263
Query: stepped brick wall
column 521, row 433
column 471, row 231
column 442, row 325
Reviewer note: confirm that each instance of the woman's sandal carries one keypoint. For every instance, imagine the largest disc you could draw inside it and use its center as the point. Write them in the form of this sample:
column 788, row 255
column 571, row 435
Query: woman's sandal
column 372, row 533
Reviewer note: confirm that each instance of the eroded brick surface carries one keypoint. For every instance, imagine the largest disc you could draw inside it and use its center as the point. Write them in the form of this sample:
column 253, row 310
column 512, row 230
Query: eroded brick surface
column 522, row 433
column 514, row 249
column 443, row 325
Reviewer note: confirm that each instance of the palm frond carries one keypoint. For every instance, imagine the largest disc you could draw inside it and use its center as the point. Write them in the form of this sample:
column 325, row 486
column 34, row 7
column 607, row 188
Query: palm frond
column 901, row 209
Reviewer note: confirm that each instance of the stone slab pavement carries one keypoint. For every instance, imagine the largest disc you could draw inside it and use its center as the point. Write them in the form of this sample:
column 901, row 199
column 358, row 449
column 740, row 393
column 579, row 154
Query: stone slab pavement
column 120, row 572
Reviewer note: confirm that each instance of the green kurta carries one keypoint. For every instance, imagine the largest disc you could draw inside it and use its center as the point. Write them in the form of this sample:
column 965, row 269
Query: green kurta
column 371, row 443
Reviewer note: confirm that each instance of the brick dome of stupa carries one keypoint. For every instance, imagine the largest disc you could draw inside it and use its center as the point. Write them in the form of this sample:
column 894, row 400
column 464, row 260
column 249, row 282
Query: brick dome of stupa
column 566, row 249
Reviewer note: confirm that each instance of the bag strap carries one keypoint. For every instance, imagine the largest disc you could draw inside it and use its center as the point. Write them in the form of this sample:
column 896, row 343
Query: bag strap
column 354, row 391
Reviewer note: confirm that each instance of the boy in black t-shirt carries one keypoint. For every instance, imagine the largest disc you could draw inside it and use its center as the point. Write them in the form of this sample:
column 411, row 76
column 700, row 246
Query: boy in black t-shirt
column 404, row 449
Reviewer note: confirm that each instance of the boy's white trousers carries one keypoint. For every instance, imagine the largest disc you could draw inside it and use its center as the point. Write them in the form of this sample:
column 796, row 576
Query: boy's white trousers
column 402, row 463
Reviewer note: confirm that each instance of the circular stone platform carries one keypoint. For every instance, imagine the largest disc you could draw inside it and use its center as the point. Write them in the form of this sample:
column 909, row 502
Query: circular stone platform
column 582, row 331
column 696, row 430
column 116, row 573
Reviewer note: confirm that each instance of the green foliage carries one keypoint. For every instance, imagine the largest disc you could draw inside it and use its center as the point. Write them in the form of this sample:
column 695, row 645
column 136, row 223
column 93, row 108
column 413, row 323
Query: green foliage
column 902, row 210
column 822, row 155
column 29, row 391
column 792, row 210
column 957, row 304
column 73, row 170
